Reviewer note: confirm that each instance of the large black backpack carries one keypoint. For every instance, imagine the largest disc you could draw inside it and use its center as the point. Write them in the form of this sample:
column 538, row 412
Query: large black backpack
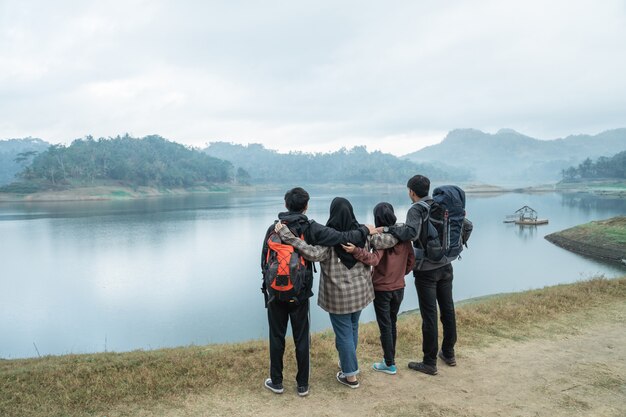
column 444, row 229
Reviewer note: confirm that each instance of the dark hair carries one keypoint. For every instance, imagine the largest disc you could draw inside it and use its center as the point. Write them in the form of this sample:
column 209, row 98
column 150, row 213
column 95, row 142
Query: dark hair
column 384, row 215
column 296, row 199
column 420, row 185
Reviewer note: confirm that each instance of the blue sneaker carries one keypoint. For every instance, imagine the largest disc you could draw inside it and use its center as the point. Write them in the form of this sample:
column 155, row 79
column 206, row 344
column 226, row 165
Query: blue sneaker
column 382, row 367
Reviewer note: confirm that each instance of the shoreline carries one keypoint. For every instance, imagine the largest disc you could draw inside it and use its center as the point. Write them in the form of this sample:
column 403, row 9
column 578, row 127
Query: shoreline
column 603, row 239
column 460, row 303
column 473, row 301
column 121, row 192
column 172, row 381
column 581, row 248
column 113, row 192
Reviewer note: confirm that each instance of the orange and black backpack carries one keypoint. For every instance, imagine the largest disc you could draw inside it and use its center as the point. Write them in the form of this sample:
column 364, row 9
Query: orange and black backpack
column 285, row 273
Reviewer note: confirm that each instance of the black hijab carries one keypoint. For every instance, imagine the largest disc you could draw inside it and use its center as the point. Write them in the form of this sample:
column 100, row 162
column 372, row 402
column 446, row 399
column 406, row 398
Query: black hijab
column 342, row 219
column 384, row 215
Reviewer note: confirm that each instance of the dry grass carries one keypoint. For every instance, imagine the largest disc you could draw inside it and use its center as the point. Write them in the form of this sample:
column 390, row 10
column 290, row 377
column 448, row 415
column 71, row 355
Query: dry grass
column 89, row 384
column 604, row 239
column 610, row 233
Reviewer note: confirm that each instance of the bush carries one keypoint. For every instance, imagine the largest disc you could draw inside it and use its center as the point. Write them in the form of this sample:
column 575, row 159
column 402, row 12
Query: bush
column 22, row 188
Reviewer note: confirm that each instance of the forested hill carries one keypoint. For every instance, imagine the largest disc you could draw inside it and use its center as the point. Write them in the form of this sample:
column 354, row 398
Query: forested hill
column 15, row 154
column 511, row 156
column 151, row 161
column 355, row 165
column 602, row 168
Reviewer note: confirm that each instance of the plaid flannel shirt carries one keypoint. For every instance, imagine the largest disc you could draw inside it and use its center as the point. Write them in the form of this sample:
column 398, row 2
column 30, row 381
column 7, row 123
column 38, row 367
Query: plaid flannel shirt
column 341, row 290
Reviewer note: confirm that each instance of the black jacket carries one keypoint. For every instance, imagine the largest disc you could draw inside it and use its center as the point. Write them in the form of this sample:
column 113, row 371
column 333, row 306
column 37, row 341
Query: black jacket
column 412, row 230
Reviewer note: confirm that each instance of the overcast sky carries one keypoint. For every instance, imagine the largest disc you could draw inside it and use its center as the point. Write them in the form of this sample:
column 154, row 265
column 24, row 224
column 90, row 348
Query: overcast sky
column 312, row 76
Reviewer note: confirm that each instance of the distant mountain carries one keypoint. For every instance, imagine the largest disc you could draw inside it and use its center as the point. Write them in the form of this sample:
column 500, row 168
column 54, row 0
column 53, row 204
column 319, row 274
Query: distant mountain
column 355, row 165
column 9, row 151
column 509, row 156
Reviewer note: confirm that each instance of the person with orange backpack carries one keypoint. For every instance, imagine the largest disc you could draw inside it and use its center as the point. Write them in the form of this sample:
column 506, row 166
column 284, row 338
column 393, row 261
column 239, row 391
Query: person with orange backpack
column 345, row 286
column 287, row 283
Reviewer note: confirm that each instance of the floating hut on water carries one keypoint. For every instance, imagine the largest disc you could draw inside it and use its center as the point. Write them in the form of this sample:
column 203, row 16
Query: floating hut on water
column 525, row 216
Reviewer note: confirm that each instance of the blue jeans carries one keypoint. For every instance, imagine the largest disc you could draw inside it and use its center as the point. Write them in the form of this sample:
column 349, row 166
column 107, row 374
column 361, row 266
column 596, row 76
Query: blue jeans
column 346, row 327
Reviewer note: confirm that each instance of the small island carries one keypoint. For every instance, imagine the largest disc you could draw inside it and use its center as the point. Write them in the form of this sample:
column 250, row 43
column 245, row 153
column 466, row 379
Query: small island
column 604, row 239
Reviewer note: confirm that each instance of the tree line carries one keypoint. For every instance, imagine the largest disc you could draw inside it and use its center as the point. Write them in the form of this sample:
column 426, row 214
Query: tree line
column 150, row 161
column 155, row 161
column 355, row 165
column 603, row 168
column 15, row 154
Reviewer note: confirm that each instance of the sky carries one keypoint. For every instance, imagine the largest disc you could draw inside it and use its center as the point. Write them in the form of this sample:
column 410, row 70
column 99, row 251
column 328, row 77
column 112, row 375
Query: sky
column 311, row 76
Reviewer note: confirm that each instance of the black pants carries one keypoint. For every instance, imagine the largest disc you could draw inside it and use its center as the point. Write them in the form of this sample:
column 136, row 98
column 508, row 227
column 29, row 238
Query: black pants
column 436, row 287
column 278, row 314
column 386, row 306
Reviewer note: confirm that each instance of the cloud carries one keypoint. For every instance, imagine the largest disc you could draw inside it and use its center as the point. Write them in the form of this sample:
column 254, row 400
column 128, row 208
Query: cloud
column 310, row 76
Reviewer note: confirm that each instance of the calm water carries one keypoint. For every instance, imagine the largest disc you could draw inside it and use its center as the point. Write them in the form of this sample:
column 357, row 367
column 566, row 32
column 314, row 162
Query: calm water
column 92, row 276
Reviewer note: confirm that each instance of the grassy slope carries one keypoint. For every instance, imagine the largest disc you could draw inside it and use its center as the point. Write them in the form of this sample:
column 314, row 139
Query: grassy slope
column 604, row 238
column 90, row 384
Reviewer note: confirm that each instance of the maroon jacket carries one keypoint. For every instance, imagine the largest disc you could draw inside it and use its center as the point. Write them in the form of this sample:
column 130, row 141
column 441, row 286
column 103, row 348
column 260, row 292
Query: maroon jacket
column 390, row 265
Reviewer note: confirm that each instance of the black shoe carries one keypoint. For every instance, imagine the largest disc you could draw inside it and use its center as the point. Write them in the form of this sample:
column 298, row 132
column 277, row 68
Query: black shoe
column 422, row 367
column 449, row 361
column 276, row 388
column 303, row 391
column 344, row 380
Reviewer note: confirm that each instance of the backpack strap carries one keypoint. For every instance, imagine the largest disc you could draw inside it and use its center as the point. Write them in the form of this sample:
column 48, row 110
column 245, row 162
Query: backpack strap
column 265, row 254
column 420, row 236
column 425, row 219
column 425, row 205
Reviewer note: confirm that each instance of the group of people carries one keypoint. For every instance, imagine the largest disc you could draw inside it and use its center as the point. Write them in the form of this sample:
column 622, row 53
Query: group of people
column 359, row 264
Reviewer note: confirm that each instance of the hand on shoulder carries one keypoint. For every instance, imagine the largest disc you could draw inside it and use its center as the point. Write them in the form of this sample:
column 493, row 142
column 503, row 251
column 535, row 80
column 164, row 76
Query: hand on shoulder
column 349, row 247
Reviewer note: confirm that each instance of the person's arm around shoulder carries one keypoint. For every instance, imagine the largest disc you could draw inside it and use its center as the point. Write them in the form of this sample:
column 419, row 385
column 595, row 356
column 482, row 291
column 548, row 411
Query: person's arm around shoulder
column 363, row 255
column 411, row 229
column 383, row 241
column 309, row 252
column 327, row 236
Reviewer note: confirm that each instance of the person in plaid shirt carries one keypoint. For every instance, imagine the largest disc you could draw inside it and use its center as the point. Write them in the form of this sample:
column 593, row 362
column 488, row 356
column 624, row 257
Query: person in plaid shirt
column 345, row 284
column 280, row 313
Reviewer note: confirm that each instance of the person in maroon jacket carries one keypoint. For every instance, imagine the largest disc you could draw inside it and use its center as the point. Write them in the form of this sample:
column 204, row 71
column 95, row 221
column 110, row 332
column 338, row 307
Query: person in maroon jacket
column 390, row 267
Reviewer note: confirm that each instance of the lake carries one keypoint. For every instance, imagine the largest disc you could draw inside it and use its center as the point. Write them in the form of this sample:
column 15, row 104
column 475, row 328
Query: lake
column 81, row 277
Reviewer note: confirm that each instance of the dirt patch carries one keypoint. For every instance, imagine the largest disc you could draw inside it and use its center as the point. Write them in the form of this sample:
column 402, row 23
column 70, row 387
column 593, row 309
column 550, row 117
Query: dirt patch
column 577, row 368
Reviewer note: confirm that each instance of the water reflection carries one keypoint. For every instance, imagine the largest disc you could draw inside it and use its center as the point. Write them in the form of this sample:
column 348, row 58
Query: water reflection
column 526, row 232
column 77, row 277
column 591, row 202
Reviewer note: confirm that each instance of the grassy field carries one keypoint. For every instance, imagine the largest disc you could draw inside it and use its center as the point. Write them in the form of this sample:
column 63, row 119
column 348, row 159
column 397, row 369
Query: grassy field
column 604, row 239
column 609, row 233
column 92, row 384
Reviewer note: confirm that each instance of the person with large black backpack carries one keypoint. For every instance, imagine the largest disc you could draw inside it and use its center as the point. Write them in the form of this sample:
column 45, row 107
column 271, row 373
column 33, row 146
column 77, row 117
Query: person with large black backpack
column 286, row 285
column 438, row 228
